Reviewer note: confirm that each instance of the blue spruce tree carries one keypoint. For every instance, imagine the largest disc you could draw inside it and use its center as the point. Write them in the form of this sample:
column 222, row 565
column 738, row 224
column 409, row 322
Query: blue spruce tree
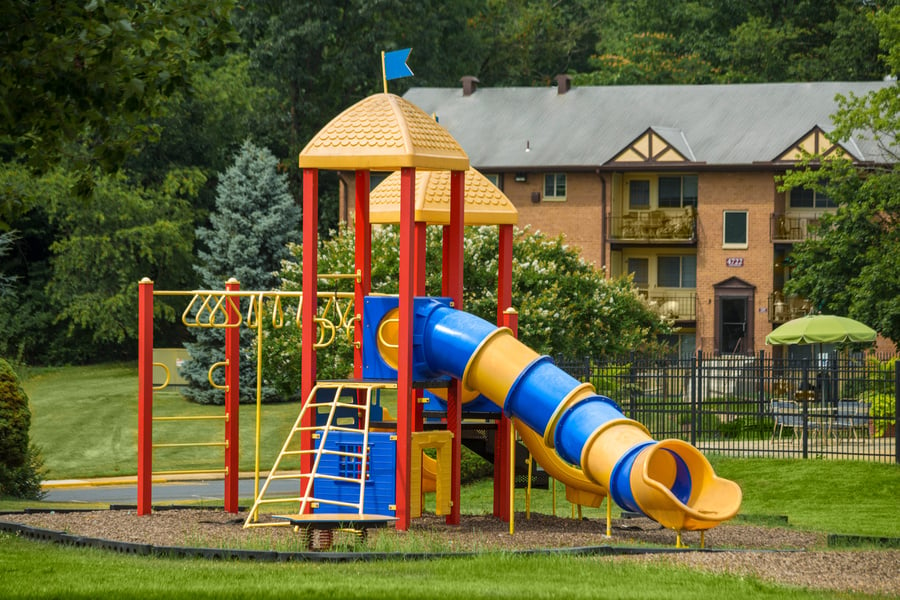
column 255, row 217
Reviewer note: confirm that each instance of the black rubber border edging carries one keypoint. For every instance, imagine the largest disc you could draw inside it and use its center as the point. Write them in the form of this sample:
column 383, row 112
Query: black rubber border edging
column 58, row 537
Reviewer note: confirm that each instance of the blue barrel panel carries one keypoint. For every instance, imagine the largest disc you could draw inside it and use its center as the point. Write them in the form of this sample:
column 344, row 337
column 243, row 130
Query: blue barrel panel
column 620, row 478
column 449, row 337
column 681, row 487
column 537, row 391
column 579, row 422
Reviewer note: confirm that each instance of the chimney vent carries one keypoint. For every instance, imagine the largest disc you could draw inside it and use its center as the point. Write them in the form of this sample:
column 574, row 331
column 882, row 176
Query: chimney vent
column 563, row 83
column 470, row 84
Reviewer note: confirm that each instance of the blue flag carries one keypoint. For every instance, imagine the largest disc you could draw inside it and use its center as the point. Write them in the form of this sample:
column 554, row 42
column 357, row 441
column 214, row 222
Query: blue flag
column 395, row 66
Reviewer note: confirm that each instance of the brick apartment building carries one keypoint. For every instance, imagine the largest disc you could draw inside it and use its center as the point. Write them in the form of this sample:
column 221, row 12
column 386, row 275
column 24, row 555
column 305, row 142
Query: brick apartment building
column 675, row 184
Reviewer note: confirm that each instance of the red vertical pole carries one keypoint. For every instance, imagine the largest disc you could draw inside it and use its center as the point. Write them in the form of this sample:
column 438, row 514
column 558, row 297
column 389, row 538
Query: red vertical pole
column 445, row 260
column 454, row 277
column 145, row 397
column 232, row 396
column 363, row 285
column 501, row 447
column 404, row 351
column 420, row 273
column 309, row 308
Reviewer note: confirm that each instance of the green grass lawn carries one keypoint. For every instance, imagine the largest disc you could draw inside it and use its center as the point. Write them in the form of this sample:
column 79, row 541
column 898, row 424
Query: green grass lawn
column 40, row 570
column 85, row 419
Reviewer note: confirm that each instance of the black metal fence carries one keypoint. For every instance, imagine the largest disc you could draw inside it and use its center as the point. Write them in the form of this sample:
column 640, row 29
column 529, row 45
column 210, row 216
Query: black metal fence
column 837, row 406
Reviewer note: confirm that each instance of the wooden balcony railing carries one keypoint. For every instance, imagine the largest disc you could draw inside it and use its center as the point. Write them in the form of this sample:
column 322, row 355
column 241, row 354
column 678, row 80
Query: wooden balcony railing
column 784, row 308
column 654, row 225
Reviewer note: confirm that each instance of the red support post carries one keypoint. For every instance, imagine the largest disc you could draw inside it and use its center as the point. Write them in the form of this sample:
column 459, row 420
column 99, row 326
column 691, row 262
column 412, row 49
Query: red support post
column 454, row 281
column 445, row 260
column 145, row 397
column 232, row 396
column 404, row 341
column 504, row 271
column 504, row 319
column 309, row 308
column 363, row 285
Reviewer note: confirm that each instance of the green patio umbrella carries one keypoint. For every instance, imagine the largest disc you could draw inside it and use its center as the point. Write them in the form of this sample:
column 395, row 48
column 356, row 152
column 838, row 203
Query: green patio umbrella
column 821, row 329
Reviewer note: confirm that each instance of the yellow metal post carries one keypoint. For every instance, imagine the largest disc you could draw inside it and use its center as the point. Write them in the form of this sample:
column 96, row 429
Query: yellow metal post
column 512, row 477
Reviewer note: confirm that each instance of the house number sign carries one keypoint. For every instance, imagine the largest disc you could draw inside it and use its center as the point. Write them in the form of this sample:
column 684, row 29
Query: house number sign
column 734, row 262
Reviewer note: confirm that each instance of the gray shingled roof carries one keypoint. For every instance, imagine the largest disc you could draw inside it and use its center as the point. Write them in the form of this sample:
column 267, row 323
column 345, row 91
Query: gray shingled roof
column 588, row 126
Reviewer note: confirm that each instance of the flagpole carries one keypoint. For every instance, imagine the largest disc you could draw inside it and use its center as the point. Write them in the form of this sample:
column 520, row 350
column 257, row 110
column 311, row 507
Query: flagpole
column 383, row 73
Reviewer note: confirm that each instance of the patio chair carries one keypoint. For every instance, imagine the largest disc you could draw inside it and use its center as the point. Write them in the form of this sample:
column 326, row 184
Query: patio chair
column 786, row 413
column 852, row 417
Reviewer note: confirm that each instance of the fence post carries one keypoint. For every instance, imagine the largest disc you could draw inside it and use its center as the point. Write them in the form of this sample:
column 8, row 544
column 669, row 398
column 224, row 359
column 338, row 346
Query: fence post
column 696, row 376
column 896, row 411
column 632, row 388
column 145, row 397
column 761, row 385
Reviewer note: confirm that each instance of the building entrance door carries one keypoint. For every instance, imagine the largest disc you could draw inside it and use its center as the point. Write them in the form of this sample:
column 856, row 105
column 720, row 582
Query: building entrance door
column 733, row 333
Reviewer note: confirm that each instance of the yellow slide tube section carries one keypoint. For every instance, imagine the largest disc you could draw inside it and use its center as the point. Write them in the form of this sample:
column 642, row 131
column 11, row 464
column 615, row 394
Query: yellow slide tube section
column 579, row 490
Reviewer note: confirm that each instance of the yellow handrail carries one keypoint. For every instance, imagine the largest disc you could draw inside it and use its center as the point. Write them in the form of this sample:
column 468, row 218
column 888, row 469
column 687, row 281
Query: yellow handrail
column 209, row 376
column 166, row 382
column 193, row 418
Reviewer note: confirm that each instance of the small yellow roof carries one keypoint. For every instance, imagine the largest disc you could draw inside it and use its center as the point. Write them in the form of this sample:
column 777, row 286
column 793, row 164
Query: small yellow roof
column 383, row 132
column 484, row 203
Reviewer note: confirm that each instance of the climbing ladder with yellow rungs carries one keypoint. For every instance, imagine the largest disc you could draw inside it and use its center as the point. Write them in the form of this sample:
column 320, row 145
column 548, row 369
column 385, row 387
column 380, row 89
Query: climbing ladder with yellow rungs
column 306, row 481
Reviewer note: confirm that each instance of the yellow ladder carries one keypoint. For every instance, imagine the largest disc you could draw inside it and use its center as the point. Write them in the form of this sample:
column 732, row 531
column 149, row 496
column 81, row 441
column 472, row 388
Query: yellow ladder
column 321, row 432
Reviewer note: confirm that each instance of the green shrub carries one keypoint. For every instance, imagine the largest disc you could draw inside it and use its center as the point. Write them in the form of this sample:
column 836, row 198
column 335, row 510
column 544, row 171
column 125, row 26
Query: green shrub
column 20, row 462
column 884, row 410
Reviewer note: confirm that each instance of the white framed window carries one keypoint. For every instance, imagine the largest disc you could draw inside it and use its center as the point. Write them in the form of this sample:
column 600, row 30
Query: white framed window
column 554, row 186
column 676, row 271
column 735, row 229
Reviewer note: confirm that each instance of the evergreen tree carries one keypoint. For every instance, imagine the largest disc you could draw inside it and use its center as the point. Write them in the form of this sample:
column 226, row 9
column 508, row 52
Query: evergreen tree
column 20, row 463
column 254, row 219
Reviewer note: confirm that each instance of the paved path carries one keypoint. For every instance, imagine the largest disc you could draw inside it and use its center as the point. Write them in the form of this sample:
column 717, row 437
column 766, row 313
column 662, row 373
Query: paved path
column 123, row 490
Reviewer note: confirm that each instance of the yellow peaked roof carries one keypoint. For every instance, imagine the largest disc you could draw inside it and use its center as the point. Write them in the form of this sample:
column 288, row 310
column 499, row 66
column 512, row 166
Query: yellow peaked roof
column 484, row 203
column 383, row 132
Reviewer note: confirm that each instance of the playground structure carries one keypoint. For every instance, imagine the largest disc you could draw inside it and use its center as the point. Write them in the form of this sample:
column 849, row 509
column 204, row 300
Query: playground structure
column 414, row 343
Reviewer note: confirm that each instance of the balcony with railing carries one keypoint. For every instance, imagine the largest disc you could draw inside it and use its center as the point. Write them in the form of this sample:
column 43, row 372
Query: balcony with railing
column 783, row 308
column 790, row 228
column 654, row 226
column 672, row 304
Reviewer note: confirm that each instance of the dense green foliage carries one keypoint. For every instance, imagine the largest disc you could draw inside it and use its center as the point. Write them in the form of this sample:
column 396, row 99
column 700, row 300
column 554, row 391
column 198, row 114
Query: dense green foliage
column 720, row 41
column 20, row 461
column 850, row 268
column 254, row 219
column 81, row 294
column 566, row 308
column 85, row 80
